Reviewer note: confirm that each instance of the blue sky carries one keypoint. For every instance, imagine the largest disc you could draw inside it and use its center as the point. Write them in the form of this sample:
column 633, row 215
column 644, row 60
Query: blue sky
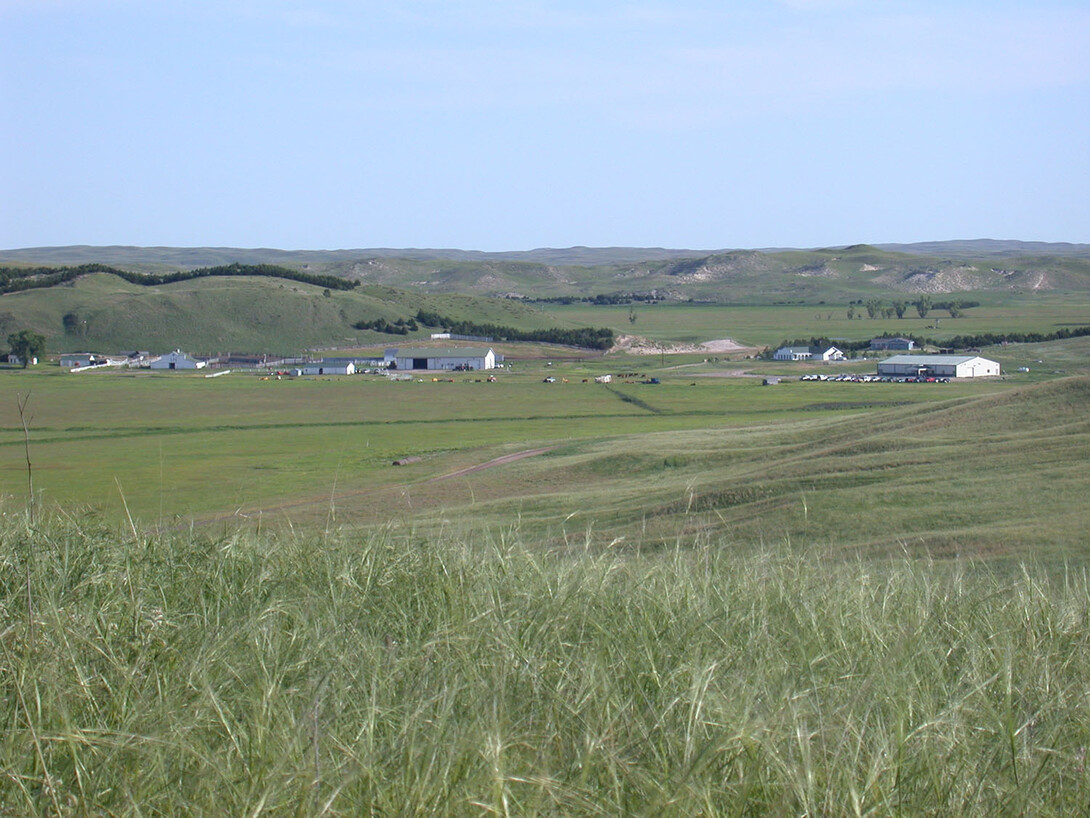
column 488, row 126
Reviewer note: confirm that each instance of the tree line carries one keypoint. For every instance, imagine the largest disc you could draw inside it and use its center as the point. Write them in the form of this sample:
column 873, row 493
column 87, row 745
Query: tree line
column 398, row 327
column 923, row 305
column 14, row 279
column 587, row 337
column 599, row 300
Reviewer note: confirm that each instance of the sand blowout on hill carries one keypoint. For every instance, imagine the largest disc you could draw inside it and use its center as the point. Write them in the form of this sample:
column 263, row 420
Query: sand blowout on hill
column 636, row 345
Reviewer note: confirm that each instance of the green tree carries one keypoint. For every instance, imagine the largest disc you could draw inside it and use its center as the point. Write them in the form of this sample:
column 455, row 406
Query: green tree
column 955, row 309
column 923, row 305
column 851, row 312
column 899, row 307
column 26, row 345
column 74, row 324
column 874, row 306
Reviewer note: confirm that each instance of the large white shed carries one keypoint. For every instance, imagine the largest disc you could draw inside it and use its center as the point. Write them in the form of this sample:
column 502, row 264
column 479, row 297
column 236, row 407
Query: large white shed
column 450, row 359
column 939, row 366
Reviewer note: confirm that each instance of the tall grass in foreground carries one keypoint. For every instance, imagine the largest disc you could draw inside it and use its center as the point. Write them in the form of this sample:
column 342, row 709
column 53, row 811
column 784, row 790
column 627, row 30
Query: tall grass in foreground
column 476, row 674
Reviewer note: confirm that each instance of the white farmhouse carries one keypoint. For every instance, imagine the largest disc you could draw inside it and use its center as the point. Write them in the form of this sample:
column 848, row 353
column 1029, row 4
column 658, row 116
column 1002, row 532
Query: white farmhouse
column 808, row 354
column 828, row 354
column 938, row 366
column 178, row 360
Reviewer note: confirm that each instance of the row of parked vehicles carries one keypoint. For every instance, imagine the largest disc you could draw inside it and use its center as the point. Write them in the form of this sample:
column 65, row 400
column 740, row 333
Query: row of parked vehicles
column 876, row 378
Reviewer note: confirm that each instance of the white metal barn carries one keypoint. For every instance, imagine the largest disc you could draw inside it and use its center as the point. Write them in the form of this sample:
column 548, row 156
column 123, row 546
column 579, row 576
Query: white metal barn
column 938, row 366
column 177, row 360
column 450, row 359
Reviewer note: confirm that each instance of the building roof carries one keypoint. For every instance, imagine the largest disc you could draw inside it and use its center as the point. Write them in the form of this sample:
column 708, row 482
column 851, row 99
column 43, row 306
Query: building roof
column 931, row 360
column 435, row 352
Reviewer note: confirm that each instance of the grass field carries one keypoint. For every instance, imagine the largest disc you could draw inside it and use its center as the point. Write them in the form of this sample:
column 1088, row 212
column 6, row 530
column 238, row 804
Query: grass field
column 701, row 451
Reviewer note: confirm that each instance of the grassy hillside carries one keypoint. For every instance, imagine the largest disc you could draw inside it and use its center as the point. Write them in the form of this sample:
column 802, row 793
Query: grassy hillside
column 996, row 474
column 749, row 276
column 233, row 313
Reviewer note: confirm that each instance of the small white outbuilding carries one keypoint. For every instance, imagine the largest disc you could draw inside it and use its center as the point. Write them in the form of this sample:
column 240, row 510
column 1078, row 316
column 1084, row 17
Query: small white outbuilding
column 328, row 368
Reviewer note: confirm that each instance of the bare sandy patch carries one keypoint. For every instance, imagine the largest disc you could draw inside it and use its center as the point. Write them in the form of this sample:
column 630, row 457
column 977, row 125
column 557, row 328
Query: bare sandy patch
column 723, row 345
column 635, row 345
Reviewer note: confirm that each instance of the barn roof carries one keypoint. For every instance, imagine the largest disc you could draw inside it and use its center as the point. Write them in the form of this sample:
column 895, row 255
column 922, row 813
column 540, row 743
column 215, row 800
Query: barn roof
column 435, row 352
column 930, row 360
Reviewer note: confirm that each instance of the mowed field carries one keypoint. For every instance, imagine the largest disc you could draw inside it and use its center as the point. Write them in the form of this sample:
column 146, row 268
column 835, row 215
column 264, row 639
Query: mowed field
column 932, row 466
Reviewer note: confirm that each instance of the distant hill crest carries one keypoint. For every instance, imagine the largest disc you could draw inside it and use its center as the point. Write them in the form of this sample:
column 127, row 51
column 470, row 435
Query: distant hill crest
column 191, row 257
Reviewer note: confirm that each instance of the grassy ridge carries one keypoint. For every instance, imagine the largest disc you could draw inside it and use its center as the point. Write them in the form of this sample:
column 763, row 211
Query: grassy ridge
column 249, row 314
column 474, row 672
column 740, row 276
column 103, row 312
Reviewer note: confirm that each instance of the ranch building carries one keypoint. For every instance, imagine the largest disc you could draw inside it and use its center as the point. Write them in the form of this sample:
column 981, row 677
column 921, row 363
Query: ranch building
column 328, row 368
column 468, row 358
column 74, row 360
column 808, row 354
column 892, row 343
column 177, row 360
column 938, row 366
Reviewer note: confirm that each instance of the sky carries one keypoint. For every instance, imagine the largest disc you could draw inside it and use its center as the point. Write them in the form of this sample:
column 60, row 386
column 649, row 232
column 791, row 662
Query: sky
column 696, row 124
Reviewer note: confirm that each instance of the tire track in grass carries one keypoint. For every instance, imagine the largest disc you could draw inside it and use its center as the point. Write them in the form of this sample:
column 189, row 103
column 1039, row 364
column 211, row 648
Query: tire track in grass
column 498, row 461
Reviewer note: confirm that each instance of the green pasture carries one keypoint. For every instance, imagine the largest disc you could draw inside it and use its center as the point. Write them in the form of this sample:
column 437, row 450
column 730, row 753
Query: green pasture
column 701, row 451
column 768, row 325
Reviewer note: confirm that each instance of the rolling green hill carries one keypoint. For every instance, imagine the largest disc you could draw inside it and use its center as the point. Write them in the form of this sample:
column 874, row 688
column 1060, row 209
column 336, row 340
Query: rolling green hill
column 834, row 274
column 103, row 312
